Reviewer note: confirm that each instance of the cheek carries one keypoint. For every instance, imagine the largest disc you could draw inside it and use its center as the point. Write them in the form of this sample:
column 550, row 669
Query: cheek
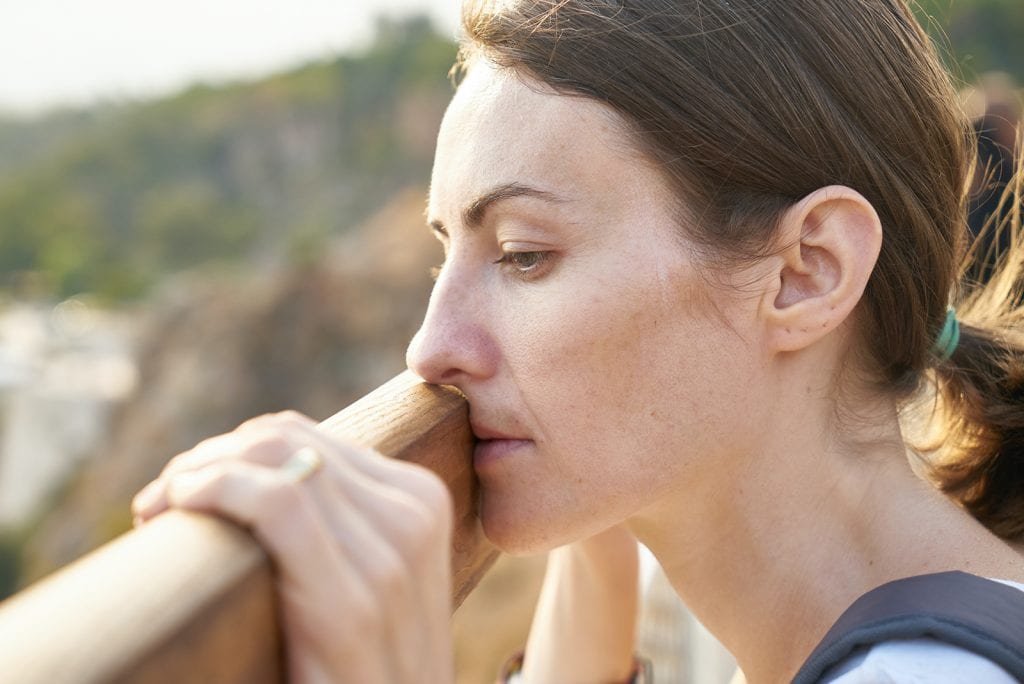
column 629, row 388
column 622, row 364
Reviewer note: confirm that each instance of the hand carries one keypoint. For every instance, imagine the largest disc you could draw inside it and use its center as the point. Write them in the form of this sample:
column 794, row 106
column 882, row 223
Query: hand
column 361, row 546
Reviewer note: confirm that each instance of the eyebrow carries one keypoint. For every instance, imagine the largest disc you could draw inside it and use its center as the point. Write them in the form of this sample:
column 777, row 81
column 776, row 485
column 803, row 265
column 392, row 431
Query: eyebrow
column 474, row 212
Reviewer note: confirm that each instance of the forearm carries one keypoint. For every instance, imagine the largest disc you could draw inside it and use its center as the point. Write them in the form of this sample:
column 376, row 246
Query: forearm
column 584, row 627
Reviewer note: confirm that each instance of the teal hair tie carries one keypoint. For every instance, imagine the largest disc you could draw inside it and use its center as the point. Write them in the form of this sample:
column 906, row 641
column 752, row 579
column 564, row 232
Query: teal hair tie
column 949, row 338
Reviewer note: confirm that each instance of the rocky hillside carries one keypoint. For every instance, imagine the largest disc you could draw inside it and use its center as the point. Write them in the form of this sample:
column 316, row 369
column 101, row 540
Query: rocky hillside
column 312, row 337
column 218, row 350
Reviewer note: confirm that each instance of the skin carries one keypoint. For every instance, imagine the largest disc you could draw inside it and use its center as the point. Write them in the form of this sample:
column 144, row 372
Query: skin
column 705, row 415
column 620, row 388
column 360, row 547
column 608, row 347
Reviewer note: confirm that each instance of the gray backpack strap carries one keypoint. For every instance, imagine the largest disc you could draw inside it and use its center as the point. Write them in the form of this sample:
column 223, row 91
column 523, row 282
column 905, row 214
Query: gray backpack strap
column 976, row 614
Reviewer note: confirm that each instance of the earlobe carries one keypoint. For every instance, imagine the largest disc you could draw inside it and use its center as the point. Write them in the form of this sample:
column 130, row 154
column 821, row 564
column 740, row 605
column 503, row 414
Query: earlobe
column 831, row 242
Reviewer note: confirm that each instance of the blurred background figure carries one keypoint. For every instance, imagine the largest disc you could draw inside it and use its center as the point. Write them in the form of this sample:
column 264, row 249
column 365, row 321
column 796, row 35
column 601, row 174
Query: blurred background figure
column 996, row 108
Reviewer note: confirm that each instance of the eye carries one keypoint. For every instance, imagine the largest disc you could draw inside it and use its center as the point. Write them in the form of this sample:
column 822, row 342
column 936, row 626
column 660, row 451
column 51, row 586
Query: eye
column 442, row 236
column 525, row 264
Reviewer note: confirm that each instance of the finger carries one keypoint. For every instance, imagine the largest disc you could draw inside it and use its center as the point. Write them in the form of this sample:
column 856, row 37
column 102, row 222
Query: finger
column 419, row 534
column 326, row 602
column 403, row 475
column 403, row 556
column 279, row 512
column 295, row 424
column 276, row 420
column 262, row 445
column 149, row 501
column 417, row 537
column 349, row 519
column 266, row 445
column 396, row 510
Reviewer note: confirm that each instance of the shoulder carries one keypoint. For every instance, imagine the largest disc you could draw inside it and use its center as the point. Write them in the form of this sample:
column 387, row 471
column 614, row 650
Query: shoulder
column 907, row 661
column 918, row 660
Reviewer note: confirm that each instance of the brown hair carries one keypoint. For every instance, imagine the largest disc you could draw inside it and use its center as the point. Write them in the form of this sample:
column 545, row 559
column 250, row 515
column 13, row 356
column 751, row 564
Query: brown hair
column 749, row 105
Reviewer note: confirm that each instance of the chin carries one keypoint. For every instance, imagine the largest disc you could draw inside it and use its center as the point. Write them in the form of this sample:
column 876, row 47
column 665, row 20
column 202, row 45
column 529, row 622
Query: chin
column 516, row 533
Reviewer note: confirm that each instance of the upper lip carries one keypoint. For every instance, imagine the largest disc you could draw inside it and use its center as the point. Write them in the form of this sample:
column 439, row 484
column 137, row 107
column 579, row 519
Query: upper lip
column 485, row 432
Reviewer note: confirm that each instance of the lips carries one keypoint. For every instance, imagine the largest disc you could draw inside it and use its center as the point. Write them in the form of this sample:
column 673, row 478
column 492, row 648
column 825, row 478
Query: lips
column 488, row 451
column 494, row 445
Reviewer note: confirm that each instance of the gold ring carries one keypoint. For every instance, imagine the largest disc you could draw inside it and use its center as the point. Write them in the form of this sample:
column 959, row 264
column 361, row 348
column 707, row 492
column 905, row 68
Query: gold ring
column 303, row 464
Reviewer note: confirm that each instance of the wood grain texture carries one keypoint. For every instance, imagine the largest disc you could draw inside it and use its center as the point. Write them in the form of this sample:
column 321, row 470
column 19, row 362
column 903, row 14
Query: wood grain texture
column 189, row 598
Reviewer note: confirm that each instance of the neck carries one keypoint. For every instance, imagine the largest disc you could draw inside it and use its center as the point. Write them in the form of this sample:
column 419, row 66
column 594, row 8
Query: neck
column 769, row 551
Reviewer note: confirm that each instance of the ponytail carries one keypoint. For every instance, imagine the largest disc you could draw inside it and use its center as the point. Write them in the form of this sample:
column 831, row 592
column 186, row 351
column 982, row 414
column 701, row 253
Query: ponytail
column 979, row 459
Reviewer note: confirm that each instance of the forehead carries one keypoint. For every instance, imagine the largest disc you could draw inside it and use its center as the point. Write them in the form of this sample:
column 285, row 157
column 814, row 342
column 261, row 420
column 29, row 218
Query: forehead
column 502, row 127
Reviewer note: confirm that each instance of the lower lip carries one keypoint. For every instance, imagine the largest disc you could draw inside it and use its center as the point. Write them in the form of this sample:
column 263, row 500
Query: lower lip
column 491, row 450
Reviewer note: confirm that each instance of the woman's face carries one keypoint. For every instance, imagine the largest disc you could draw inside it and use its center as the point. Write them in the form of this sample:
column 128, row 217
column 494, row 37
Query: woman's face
column 603, row 374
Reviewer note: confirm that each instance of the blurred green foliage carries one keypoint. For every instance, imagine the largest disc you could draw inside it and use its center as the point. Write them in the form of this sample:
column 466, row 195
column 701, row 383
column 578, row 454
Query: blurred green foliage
column 976, row 36
column 109, row 200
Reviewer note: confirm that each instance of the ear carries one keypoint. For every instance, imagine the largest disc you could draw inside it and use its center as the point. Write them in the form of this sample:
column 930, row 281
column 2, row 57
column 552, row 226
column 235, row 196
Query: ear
column 832, row 239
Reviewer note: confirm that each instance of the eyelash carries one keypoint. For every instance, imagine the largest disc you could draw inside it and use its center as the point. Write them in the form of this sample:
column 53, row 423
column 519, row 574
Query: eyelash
column 511, row 261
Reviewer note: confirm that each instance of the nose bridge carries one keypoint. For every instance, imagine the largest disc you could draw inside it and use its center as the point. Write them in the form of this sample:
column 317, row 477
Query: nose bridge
column 436, row 326
column 451, row 340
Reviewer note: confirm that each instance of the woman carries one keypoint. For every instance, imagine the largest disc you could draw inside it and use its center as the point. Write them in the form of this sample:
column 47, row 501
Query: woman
column 699, row 257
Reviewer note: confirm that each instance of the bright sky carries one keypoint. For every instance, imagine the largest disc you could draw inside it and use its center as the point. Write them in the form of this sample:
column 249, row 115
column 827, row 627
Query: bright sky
column 75, row 51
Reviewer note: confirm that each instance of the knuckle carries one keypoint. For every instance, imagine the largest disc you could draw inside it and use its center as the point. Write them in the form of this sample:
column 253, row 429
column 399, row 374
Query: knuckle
column 279, row 418
column 181, row 461
column 184, row 487
column 253, row 422
column 363, row 612
column 419, row 530
column 280, row 501
column 268, row 440
column 291, row 416
column 434, row 494
column 278, row 518
column 391, row 573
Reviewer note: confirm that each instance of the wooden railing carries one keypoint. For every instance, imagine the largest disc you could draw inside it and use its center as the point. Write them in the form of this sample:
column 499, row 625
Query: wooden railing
column 189, row 598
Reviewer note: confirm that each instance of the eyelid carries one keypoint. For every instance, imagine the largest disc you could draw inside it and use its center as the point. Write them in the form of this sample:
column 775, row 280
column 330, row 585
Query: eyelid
column 544, row 261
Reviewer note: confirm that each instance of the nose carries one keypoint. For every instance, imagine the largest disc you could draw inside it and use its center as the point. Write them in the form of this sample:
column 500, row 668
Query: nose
column 453, row 345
